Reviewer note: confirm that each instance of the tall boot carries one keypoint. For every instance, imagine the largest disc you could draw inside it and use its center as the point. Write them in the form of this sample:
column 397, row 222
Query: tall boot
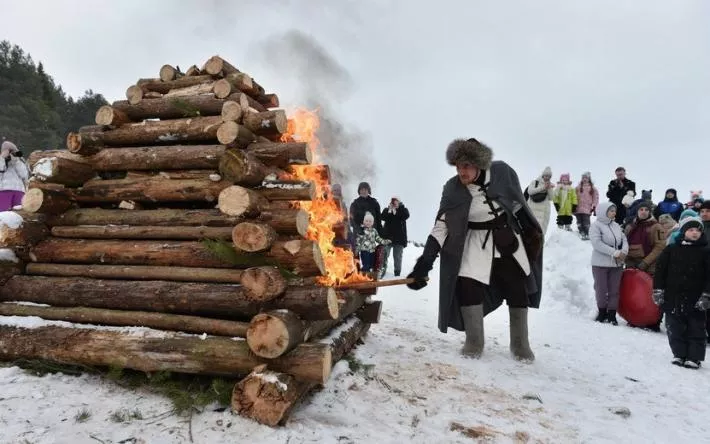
column 519, row 345
column 611, row 317
column 601, row 316
column 473, row 324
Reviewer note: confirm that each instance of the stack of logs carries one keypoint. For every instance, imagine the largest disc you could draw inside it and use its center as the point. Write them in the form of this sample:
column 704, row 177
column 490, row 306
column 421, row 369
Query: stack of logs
column 124, row 229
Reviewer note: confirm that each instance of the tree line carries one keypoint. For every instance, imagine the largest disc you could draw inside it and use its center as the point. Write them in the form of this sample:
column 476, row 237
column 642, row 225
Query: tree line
column 35, row 113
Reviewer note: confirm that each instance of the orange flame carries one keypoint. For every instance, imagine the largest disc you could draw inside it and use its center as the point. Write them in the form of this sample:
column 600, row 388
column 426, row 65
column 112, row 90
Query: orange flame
column 324, row 211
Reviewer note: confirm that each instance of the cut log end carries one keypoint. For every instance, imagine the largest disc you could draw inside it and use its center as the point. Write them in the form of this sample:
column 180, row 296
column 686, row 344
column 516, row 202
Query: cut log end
column 37, row 200
column 253, row 237
column 273, row 334
column 232, row 111
column 239, row 201
column 168, row 73
column 222, row 88
column 227, row 132
column 134, row 94
column 302, row 222
column 264, row 283
column 109, row 116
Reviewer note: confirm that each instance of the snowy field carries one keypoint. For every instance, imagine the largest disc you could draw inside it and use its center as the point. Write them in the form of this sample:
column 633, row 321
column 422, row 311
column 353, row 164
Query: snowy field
column 591, row 383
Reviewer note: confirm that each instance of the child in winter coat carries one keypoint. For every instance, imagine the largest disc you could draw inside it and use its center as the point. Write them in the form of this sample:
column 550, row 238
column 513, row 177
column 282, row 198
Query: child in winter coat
column 565, row 200
column 673, row 236
column 682, row 289
column 647, row 197
column 646, row 240
column 609, row 251
column 668, row 223
column 367, row 242
column 587, row 201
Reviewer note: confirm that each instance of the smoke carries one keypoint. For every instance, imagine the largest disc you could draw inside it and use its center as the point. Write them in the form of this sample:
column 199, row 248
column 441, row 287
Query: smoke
column 322, row 83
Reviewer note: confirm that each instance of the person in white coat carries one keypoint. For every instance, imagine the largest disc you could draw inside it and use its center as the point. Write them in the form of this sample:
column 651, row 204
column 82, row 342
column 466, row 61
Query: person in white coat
column 14, row 175
column 540, row 192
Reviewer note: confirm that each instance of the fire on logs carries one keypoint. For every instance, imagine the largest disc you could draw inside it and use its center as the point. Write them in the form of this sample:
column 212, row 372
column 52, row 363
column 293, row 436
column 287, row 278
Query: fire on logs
column 191, row 208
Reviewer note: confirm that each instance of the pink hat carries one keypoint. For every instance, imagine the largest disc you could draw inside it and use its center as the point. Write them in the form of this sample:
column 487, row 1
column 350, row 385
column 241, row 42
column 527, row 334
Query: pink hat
column 564, row 178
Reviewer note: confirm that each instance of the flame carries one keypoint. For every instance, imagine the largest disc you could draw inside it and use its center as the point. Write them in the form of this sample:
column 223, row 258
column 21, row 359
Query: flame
column 324, row 211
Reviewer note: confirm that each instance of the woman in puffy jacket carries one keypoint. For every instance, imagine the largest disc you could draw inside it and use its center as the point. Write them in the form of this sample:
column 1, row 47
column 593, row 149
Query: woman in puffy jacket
column 14, row 175
column 610, row 248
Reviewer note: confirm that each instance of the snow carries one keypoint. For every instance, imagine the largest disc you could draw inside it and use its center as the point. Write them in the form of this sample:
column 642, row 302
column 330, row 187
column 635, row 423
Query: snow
column 271, row 378
column 44, row 168
column 7, row 255
column 11, row 219
column 591, row 383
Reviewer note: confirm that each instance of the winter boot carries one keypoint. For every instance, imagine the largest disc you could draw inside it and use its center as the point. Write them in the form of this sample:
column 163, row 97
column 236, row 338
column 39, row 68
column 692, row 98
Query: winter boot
column 473, row 324
column 611, row 317
column 678, row 361
column 601, row 317
column 519, row 345
column 695, row 365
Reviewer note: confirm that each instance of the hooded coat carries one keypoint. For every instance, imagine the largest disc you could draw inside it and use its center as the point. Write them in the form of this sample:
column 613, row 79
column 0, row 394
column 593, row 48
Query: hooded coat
column 541, row 210
column 503, row 188
column 653, row 243
column 606, row 237
column 670, row 206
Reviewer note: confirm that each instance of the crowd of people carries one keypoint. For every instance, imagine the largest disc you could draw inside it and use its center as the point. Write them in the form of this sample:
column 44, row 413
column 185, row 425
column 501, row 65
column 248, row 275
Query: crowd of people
column 668, row 240
column 14, row 176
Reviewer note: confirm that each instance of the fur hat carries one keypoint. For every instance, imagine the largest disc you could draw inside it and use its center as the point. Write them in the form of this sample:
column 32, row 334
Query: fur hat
column 646, row 194
column 364, row 185
column 690, row 222
column 666, row 219
column 470, row 150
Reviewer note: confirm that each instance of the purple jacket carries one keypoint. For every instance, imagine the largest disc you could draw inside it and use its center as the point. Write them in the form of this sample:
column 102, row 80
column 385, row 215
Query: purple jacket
column 587, row 201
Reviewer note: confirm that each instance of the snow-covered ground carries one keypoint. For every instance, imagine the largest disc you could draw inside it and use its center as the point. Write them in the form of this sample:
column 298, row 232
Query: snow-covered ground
column 585, row 376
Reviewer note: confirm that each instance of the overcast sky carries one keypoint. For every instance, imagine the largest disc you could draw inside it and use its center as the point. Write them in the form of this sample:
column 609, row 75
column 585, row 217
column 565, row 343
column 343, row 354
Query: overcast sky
column 577, row 85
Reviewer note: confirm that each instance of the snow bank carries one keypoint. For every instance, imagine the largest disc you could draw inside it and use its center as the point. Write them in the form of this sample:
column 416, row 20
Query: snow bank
column 11, row 219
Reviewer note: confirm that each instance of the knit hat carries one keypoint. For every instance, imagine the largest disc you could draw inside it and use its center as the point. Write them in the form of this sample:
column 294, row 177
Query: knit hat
column 690, row 222
column 706, row 205
column 364, row 185
column 547, row 172
column 646, row 194
column 564, row 177
column 470, row 150
column 688, row 213
column 368, row 217
column 644, row 204
column 587, row 174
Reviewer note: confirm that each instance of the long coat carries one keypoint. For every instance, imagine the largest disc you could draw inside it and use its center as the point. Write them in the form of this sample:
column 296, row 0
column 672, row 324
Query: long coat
column 504, row 188
column 541, row 210
column 359, row 208
column 395, row 228
column 683, row 271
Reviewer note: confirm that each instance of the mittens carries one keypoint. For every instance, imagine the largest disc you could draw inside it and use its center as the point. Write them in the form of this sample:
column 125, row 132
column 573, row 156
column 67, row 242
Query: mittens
column 704, row 302
column 658, row 296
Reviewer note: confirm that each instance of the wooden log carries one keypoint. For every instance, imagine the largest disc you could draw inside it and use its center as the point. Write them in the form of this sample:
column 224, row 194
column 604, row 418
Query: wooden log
column 173, row 352
column 350, row 332
column 110, row 116
column 237, row 83
column 140, row 175
column 268, row 124
column 370, row 312
column 269, row 100
column 150, row 189
column 302, row 257
column 253, row 237
column 178, row 107
column 162, row 132
column 161, row 87
column 134, row 94
column 193, row 298
column 176, row 157
column 281, row 155
column 100, row 316
column 189, row 91
column 242, row 168
column 152, row 95
column 290, row 221
column 269, row 396
column 15, row 231
column 146, row 232
column 239, row 201
column 36, row 156
column 266, row 280
column 168, row 73
column 275, row 333
column 217, row 66
column 37, row 200
column 193, row 71
column 232, row 111
column 234, row 135
column 63, row 171
column 288, row 190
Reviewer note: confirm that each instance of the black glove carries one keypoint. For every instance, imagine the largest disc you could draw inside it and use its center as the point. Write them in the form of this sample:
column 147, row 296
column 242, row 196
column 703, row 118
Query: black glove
column 424, row 264
column 704, row 302
column 557, row 207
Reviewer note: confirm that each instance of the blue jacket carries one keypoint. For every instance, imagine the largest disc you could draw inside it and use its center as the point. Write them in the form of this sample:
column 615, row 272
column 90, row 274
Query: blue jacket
column 669, row 206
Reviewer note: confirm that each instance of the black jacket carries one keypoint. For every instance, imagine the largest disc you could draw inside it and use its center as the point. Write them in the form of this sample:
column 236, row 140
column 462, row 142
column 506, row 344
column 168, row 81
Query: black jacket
column 359, row 207
column 617, row 191
column 706, row 230
column 683, row 271
column 395, row 228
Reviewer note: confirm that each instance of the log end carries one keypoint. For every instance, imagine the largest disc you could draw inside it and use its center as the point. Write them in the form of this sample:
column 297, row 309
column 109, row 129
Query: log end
column 263, row 283
column 232, row 111
column 227, row 132
column 214, row 65
column 222, row 88
column 280, row 121
column 104, row 116
column 253, row 237
column 74, row 142
column 134, row 94
column 168, row 73
column 238, row 201
column 270, row 335
column 333, row 304
column 32, row 200
column 303, row 220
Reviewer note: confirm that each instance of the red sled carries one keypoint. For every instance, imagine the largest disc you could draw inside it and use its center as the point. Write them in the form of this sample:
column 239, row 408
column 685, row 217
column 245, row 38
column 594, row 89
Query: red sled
column 636, row 299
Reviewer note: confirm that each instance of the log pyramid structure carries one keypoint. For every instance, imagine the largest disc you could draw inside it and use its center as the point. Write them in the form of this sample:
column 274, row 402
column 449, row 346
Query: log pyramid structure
column 192, row 210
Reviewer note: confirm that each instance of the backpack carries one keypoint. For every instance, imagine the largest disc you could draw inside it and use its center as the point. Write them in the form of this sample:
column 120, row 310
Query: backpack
column 537, row 197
